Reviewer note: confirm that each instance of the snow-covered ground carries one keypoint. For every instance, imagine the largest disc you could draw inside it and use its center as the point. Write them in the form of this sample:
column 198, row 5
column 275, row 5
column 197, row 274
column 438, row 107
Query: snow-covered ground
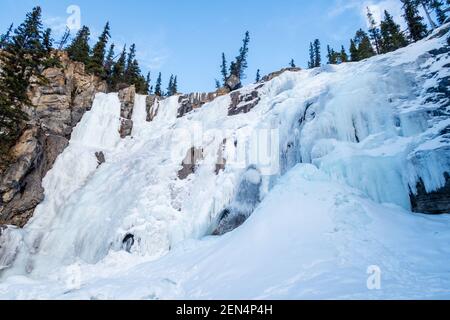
column 334, row 153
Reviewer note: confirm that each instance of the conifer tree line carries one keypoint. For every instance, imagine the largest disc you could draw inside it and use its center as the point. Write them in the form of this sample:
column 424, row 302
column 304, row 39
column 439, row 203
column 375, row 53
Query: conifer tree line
column 387, row 36
column 29, row 49
column 25, row 52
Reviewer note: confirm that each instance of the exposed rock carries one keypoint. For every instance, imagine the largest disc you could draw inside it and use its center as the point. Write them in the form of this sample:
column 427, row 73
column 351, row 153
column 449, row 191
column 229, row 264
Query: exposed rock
column 437, row 202
column 243, row 103
column 193, row 101
column 233, row 83
column 57, row 106
column 272, row 75
column 190, row 162
column 100, row 158
column 152, row 107
column 126, row 97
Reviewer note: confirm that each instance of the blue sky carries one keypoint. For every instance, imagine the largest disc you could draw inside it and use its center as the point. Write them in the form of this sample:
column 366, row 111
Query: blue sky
column 187, row 37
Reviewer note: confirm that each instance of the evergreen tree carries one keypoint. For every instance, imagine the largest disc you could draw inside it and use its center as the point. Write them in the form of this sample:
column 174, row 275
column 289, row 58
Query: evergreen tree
column 332, row 56
column 427, row 6
column 148, row 81
column 118, row 70
column 392, row 37
column 21, row 58
column 311, row 62
column 97, row 61
column 131, row 72
column 175, row 85
column 63, row 41
column 437, row 6
column 5, row 38
column 317, row 54
column 292, row 64
column 374, row 31
column 223, row 69
column 361, row 47
column 258, row 76
column 240, row 64
column 218, row 85
column 47, row 40
column 343, row 55
column 79, row 49
column 417, row 29
column 109, row 63
column 158, row 91
column 169, row 90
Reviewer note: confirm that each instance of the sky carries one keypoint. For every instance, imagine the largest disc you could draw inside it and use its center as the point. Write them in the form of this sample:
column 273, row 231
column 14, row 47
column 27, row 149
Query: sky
column 187, row 38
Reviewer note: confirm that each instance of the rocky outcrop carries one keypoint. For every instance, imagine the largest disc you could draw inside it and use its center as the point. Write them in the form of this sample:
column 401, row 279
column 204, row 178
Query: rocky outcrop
column 193, row 101
column 243, row 102
column 436, row 202
column 56, row 109
column 152, row 107
column 233, row 83
column 273, row 75
column 126, row 97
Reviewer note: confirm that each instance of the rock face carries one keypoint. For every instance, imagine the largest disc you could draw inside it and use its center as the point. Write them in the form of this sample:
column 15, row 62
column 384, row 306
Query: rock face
column 152, row 106
column 437, row 202
column 233, row 83
column 193, row 101
column 243, row 102
column 273, row 75
column 56, row 109
column 126, row 97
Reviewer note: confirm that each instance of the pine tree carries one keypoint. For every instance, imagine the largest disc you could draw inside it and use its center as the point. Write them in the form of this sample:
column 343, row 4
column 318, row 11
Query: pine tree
column 5, row 38
column 118, row 70
column 97, row 61
column 63, row 41
column 317, row 54
column 131, row 72
column 311, row 62
column 354, row 54
column 175, row 85
column 343, row 55
column 218, row 85
column 364, row 46
column 47, row 40
column 332, row 56
column 240, row 65
column 392, row 37
column 148, row 81
column 79, row 49
column 258, row 76
column 374, row 31
column 109, row 63
column 223, row 69
column 158, row 91
column 169, row 90
column 21, row 58
column 292, row 64
column 417, row 29
column 437, row 6
column 427, row 6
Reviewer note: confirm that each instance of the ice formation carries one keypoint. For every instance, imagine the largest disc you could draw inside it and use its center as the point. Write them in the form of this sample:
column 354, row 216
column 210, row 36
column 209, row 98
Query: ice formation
column 334, row 153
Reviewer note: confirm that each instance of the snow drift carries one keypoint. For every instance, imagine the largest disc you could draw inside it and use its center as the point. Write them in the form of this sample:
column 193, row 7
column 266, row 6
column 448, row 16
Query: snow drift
column 323, row 166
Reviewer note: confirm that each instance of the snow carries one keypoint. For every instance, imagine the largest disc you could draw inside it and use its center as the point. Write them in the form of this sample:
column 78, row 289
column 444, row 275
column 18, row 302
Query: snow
column 325, row 161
